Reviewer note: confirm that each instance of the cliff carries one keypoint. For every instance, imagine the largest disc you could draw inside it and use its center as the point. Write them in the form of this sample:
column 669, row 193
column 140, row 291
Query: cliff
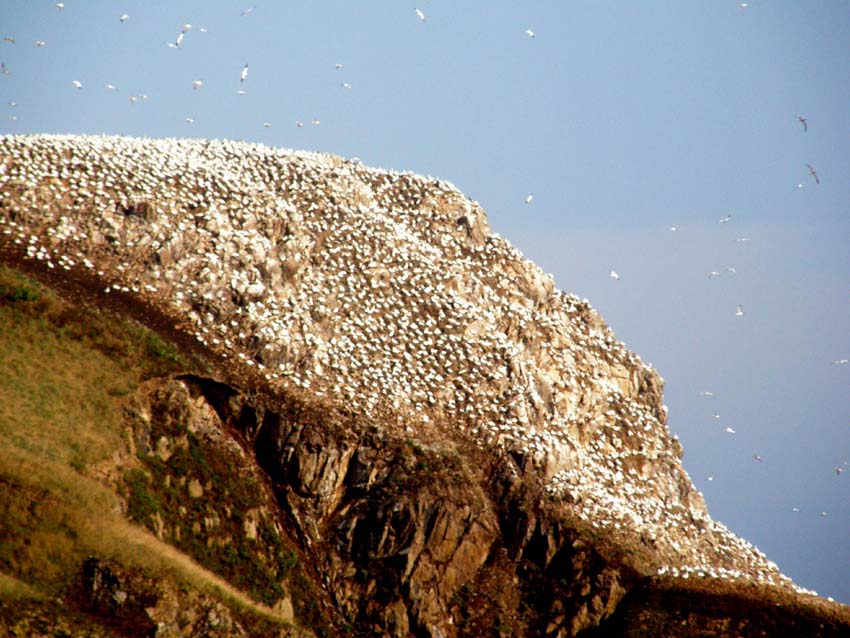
column 370, row 414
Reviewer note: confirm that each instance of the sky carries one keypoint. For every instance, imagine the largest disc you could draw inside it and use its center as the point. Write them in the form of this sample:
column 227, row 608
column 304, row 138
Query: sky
column 625, row 120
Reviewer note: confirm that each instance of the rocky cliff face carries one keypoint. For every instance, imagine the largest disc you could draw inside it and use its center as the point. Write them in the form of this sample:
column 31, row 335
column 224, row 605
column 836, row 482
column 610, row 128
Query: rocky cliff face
column 453, row 446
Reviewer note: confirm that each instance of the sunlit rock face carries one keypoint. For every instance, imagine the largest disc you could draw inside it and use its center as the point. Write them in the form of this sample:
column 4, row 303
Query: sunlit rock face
column 379, row 291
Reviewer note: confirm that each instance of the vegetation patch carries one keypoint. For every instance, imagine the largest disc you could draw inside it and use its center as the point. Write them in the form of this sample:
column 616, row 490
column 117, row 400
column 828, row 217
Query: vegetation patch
column 66, row 372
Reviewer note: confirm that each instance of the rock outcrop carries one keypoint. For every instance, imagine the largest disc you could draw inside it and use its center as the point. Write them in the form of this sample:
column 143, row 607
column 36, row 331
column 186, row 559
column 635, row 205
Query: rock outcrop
column 448, row 444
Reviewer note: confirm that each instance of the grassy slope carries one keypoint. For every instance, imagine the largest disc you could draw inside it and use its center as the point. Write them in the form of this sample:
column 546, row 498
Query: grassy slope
column 64, row 373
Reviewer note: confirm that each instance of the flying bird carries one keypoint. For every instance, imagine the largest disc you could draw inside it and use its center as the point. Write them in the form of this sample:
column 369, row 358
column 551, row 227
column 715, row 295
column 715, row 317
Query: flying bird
column 40, row 43
column 725, row 220
column 4, row 69
column 838, row 471
column 247, row 12
column 176, row 44
column 729, row 430
column 77, row 84
column 244, row 73
column 189, row 120
column 338, row 66
column 110, row 87
column 315, row 122
column 346, row 86
column 742, row 240
column 840, row 362
column 9, row 39
column 529, row 198
column 60, row 5
column 739, row 311
column 713, row 274
column 197, row 84
column 124, row 17
column 529, row 33
column 706, row 393
column 813, row 173
column 613, row 274
column 804, row 122
column 267, row 124
column 756, row 457
column 420, row 15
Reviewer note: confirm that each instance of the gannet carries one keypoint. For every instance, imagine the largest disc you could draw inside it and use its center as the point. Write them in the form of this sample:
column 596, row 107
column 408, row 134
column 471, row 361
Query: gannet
column 804, row 122
column 813, row 173
column 420, row 15
column 244, row 73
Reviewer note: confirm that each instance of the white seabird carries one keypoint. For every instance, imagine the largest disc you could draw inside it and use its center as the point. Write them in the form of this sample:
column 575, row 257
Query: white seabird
column 614, row 274
column 739, row 311
column 420, row 15
column 244, row 73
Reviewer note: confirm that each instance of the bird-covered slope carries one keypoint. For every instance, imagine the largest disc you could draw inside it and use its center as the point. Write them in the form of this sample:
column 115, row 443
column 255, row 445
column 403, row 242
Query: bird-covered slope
column 383, row 291
column 383, row 295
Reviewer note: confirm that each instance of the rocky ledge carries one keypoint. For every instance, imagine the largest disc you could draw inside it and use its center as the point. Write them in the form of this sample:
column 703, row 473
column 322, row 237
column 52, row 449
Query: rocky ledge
column 457, row 446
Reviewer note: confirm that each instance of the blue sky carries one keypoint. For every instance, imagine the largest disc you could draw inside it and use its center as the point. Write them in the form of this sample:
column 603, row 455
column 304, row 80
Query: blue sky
column 622, row 118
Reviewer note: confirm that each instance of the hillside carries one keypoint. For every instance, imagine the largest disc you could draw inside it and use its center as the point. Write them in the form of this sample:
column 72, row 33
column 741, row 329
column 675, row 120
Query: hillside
column 270, row 392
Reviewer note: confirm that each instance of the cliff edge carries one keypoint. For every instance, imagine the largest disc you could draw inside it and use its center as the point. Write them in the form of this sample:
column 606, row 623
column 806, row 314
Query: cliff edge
column 449, row 444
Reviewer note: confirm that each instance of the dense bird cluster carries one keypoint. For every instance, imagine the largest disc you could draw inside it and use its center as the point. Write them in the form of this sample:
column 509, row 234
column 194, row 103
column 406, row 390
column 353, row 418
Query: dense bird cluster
column 382, row 291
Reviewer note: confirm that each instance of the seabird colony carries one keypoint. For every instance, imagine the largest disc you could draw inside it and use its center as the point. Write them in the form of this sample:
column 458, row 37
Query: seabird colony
column 382, row 291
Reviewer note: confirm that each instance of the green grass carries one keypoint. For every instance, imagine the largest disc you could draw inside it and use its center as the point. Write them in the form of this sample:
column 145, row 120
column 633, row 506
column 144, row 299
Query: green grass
column 65, row 371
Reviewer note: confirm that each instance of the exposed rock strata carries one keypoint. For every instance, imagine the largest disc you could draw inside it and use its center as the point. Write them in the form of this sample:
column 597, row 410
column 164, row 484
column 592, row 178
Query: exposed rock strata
column 384, row 296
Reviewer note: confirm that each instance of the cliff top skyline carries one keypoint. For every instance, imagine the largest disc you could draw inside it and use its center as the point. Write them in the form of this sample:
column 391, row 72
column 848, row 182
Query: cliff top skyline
column 623, row 124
